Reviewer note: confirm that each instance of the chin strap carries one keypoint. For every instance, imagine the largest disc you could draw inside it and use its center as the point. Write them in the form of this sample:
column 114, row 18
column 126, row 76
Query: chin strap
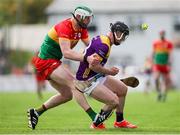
column 82, row 25
column 116, row 43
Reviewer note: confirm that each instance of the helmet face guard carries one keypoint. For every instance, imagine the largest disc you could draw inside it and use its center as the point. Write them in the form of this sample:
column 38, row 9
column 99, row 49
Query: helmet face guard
column 122, row 36
column 120, row 32
column 85, row 14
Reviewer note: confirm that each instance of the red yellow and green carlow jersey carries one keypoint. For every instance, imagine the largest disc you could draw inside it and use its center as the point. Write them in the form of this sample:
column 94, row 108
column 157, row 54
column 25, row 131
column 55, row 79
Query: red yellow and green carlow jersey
column 50, row 48
column 162, row 50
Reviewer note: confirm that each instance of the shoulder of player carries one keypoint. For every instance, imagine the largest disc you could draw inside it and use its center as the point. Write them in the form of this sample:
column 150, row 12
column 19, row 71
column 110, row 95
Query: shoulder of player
column 105, row 40
column 156, row 41
column 169, row 42
column 63, row 24
column 100, row 41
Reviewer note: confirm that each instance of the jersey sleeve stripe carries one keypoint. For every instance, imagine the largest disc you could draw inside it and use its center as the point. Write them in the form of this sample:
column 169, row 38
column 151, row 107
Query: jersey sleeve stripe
column 53, row 35
column 105, row 40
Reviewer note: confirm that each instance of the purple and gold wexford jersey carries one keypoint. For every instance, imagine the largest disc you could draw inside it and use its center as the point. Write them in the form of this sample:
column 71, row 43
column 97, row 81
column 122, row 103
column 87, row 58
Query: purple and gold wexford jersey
column 99, row 45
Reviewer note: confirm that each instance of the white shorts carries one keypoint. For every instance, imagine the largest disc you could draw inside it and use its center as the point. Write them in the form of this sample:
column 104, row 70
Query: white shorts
column 88, row 86
column 94, row 84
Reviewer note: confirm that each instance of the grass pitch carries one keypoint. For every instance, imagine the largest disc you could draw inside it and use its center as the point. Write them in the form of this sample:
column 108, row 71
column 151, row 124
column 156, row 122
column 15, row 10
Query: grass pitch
column 150, row 116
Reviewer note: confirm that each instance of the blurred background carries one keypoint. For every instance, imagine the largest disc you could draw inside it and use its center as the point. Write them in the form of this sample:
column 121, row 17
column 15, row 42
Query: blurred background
column 24, row 24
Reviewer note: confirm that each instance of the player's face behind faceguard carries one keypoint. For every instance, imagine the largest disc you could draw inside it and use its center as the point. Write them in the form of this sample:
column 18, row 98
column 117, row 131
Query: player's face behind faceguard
column 120, row 32
column 162, row 34
column 83, row 15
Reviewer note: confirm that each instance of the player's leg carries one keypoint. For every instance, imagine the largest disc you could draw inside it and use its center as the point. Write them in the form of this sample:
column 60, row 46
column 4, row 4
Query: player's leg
column 158, row 86
column 63, row 96
column 168, row 81
column 104, row 95
column 157, row 78
column 42, row 85
column 81, row 100
column 147, row 83
column 38, row 86
column 157, row 81
column 120, row 89
column 61, row 80
column 166, row 85
column 39, row 93
column 90, row 89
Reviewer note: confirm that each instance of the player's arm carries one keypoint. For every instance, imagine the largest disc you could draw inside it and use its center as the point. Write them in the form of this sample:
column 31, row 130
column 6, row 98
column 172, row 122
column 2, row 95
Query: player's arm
column 85, row 37
column 68, row 53
column 85, row 41
column 152, row 57
column 170, row 47
column 100, row 69
column 108, row 71
column 170, row 59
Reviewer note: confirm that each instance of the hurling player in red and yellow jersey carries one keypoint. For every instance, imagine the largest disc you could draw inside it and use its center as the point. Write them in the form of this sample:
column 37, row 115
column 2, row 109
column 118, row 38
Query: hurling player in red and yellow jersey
column 162, row 49
column 58, row 43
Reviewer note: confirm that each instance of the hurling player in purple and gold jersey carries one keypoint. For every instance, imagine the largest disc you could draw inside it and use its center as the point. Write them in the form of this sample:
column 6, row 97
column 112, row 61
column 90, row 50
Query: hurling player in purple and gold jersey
column 58, row 43
column 104, row 88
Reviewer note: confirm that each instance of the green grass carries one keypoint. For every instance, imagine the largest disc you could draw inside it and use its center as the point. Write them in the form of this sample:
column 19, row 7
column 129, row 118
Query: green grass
column 150, row 116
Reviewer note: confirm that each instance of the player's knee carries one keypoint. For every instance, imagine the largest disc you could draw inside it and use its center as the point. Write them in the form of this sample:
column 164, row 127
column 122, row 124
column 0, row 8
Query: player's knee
column 125, row 89
column 122, row 91
column 68, row 97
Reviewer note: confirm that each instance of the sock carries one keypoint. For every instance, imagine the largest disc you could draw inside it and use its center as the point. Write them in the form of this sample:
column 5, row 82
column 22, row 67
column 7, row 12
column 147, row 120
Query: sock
column 157, row 85
column 107, row 113
column 41, row 110
column 102, row 116
column 92, row 114
column 119, row 116
column 164, row 97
